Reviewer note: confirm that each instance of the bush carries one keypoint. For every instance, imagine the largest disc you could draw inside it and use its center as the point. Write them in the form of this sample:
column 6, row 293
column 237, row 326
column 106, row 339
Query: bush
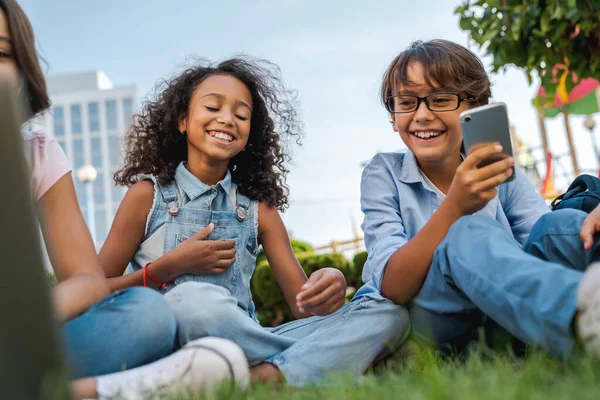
column 298, row 247
column 268, row 296
column 358, row 262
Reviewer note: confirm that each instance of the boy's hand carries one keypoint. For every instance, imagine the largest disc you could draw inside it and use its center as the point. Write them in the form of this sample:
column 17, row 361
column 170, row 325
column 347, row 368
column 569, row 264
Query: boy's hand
column 472, row 187
column 197, row 255
column 590, row 226
column 323, row 293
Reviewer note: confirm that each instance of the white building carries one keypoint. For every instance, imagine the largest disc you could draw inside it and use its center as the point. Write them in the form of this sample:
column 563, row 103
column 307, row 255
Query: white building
column 88, row 118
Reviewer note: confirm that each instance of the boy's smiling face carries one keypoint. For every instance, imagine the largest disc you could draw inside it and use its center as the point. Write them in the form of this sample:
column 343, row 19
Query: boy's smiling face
column 432, row 136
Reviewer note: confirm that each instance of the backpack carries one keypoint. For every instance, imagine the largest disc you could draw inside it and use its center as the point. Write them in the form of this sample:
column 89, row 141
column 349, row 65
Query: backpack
column 583, row 194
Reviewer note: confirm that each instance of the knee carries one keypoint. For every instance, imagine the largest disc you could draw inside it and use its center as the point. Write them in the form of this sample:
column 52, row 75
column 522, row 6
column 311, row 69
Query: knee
column 153, row 319
column 558, row 221
column 200, row 308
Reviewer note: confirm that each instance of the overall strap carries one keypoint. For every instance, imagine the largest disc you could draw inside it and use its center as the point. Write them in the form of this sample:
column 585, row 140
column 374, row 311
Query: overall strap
column 242, row 204
column 169, row 196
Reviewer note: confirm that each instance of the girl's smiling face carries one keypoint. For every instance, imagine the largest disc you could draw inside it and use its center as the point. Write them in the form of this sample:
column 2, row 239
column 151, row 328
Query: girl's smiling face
column 431, row 136
column 218, row 119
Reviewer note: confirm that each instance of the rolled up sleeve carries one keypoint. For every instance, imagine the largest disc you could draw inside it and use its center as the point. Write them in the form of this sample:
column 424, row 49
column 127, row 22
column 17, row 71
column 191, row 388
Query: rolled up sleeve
column 523, row 206
column 382, row 225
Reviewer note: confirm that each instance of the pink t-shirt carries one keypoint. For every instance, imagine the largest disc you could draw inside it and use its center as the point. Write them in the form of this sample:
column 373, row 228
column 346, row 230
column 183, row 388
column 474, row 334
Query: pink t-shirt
column 47, row 162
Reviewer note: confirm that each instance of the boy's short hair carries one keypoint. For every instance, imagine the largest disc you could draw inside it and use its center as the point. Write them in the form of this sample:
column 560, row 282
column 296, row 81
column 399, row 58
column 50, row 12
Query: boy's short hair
column 449, row 64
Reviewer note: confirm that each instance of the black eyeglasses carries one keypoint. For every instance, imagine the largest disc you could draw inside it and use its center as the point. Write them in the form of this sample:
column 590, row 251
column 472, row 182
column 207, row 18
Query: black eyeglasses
column 438, row 102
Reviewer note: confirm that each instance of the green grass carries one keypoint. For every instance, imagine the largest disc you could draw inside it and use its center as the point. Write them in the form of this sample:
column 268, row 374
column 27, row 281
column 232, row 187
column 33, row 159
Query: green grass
column 481, row 376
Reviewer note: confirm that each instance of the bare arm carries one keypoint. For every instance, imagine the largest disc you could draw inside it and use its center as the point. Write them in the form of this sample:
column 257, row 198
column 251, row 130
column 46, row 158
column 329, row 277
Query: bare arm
column 322, row 294
column 195, row 255
column 126, row 235
column 71, row 251
column 408, row 266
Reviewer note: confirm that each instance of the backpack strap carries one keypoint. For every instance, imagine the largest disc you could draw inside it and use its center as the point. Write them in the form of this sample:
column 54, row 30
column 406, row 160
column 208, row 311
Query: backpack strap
column 581, row 184
column 586, row 182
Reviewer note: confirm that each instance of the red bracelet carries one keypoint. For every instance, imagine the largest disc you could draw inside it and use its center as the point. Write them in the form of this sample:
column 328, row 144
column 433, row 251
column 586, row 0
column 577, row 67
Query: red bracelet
column 144, row 276
column 147, row 272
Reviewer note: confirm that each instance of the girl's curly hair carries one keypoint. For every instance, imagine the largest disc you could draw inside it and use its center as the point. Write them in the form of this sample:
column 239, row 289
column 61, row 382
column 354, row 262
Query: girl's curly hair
column 154, row 145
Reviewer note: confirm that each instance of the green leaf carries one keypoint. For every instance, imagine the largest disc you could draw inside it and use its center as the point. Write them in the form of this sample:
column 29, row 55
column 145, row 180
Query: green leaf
column 559, row 12
column 572, row 4
column 462, row 9
column 515, row 28
column 465, row 23
column 545, row 22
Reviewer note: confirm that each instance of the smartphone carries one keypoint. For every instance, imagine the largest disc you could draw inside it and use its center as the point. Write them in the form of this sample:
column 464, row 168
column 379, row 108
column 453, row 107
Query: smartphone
column 488, row 124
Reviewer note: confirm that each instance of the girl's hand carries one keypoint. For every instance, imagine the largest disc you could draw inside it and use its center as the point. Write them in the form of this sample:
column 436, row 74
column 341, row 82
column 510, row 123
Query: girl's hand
column 323, row 293
column 590, row 226
column 197, row 255
column 472, row 187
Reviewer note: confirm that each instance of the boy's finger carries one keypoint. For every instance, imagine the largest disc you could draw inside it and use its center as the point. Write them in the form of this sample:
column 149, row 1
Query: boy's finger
column 587, row 233
column 480, row 153
column 494, row 169
column 495, row 180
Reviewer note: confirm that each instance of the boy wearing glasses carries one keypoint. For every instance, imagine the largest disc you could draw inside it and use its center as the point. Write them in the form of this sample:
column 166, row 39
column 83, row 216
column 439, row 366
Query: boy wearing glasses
column 457, row 243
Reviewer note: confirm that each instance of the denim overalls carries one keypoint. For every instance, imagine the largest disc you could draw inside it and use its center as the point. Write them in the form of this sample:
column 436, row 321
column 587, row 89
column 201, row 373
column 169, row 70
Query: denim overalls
column 183, row 208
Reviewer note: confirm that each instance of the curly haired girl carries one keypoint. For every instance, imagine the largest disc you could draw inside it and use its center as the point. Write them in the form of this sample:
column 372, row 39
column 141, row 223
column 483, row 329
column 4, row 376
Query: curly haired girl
column 207, row 173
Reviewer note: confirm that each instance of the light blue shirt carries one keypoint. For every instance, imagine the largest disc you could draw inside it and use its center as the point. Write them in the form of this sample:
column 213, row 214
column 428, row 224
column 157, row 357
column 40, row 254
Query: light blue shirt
column 397, row 202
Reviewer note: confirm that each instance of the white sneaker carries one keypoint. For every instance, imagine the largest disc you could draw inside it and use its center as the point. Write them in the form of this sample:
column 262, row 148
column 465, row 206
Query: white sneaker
column 201, row 366
column 588, row 304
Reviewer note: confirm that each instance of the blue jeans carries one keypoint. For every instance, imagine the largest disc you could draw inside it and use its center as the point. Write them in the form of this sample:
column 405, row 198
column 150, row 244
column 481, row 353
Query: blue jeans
column 478, row 270
column 348, row 340
column 126, row 329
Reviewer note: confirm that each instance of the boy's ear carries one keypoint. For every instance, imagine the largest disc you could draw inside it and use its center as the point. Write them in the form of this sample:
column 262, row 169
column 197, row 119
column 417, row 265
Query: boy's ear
column 182, row 124
column 393, row 121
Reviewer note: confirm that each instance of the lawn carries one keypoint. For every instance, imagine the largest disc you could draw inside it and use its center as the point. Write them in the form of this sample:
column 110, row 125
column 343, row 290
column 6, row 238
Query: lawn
column 482, row 375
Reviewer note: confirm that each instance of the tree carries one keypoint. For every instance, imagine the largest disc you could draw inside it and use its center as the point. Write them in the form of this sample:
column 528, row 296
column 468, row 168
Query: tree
column 555, row 39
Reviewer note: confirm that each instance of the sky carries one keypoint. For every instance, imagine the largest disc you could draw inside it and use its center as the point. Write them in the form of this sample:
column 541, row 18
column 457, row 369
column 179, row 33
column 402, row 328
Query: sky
column 332, row 52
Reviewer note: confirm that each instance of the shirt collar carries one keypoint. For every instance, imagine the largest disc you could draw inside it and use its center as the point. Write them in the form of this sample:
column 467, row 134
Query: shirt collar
column 194, row 187
column 410, row 169
column 411, row 172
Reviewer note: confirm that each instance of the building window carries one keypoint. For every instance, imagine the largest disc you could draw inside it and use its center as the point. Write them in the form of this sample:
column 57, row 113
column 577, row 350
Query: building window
column 63, row 145
column 96, row 146
column 117, row 193
column 127, row 111
column 78, row 155
column 76, row 119
column 59, row 121
column 99, row 190
column 100, row 220
column 80, row 191
column 111, row 114
column 114, row 150
column 94, row 117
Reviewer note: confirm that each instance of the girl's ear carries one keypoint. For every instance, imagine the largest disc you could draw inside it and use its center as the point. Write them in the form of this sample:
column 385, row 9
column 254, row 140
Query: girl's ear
column 393, row 121
column 182, row 124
